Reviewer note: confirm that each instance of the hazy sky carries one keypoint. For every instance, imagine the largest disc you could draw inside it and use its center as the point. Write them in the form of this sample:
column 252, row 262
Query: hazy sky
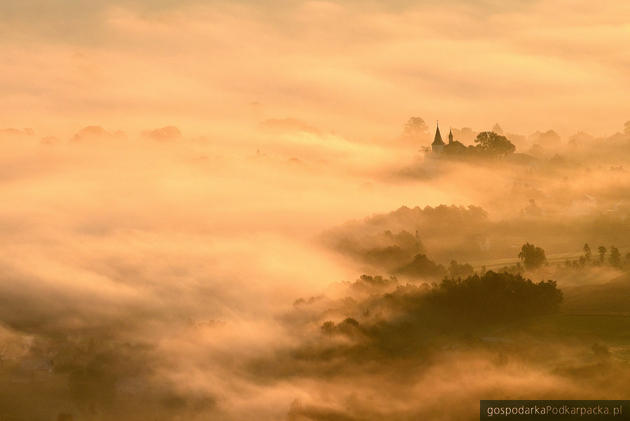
column 152, row 274
column 354, row 67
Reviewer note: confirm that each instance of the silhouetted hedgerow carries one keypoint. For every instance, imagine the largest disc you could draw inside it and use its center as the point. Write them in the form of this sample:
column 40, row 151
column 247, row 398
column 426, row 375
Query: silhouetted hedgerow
column 496, row 296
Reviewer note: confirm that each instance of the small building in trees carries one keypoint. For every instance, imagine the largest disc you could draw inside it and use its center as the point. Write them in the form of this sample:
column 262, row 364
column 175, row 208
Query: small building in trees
column 487, row 144
column 453, row 147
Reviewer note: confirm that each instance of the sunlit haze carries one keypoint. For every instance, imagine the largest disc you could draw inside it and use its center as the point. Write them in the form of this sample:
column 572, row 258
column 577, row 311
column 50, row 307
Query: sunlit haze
column 311, row 210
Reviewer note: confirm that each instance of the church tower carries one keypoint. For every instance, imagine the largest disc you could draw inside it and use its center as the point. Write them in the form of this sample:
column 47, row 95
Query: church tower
column 438, row 144
column 450, row 136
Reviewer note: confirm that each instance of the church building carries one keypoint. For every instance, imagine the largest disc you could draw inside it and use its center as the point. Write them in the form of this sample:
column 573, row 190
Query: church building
column 438, row 144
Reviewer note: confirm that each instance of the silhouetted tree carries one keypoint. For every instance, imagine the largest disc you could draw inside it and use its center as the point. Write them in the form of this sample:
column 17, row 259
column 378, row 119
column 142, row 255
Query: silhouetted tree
column 532, row 257
column 626, row 128
column 494, row 143
column 615, row 257
column 545, row 139
column 587, row 252
column 602, row 253
column 456, row 270
column 415, row 127
column 422, row 266
column 348, row 327
column 513, row 269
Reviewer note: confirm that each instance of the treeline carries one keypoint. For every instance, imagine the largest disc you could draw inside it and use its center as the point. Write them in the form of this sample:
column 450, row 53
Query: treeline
column 494, row 295
column 531, row 257
column 603, row 257
column 422, row 266
column 487, row 144
column 410, row 316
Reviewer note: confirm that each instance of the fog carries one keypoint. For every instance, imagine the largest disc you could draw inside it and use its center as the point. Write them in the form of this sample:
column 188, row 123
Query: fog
column 140, row 273
column 155, row 275
column 234, row 210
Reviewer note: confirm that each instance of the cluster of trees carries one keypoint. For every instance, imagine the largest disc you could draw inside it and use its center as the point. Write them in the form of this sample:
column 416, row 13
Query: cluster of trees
column 605, row 256
column 475, row 301
column 460, row 270
column 545, row 144
column 487, row 144
column 490, row 143
column 423, row 267
column 532, row 257
column 494, row 143
column 385, row 249
column 410, row 317
column 497, row 296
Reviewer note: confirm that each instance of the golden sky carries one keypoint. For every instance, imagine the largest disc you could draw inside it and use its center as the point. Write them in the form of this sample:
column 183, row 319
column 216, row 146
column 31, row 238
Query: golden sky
column 354, row 67
column 166, row 267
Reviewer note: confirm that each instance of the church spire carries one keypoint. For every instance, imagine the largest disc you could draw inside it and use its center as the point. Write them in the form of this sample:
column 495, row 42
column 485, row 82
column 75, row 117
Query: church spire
column 450, row 136
column 438, row 144
column 438, row 137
